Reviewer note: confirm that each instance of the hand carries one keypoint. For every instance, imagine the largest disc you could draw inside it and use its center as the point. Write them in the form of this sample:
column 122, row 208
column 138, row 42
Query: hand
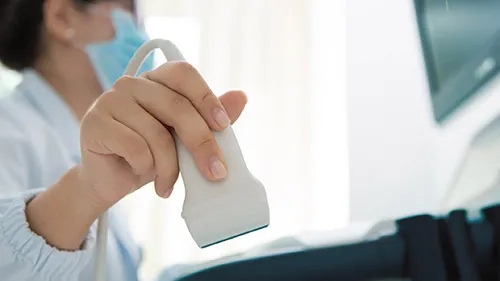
column 126, row 142
column 126, row 136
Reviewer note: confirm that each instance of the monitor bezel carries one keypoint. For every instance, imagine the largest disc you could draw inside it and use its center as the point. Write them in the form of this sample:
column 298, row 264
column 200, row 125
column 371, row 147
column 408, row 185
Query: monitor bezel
column 465, row 84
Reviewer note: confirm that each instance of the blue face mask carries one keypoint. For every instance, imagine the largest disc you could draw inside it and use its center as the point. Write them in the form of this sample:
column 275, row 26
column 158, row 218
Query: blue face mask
column 110, row 58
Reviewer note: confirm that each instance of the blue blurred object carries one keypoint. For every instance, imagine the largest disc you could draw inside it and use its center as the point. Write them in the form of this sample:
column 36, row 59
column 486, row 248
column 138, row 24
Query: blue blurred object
column 110, row 59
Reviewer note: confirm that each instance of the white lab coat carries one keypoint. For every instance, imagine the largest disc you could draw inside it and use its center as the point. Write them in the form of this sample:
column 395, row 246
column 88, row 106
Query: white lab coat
column 39, row 141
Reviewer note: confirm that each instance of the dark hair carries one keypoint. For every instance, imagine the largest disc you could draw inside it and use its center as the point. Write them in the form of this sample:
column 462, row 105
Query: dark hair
column 20, row 31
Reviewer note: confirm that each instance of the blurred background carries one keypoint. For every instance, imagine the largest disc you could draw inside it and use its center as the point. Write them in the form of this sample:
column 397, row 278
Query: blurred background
column 358, row 110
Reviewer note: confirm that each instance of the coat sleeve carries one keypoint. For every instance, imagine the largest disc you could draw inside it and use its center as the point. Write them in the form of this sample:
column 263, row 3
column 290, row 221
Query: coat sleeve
column 24, row 255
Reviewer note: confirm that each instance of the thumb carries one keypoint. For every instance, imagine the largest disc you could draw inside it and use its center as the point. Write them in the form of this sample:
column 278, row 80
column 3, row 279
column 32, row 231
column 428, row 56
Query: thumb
column 234, row 102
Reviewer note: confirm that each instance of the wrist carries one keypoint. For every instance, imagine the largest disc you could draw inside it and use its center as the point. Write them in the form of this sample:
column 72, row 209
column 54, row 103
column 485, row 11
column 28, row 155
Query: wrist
column 82, row 195
column 63, row 213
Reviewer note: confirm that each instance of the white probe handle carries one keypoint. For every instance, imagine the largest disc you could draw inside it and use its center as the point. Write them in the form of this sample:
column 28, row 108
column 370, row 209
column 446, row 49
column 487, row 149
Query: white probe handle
column 220, row 210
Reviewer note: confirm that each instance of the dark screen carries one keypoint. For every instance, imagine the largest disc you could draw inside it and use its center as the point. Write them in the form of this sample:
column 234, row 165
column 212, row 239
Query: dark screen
column 455, row 30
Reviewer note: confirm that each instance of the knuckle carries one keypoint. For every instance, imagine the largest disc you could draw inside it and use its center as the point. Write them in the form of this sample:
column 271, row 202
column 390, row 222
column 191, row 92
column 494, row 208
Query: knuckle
column 91, row 120
column 146, row 74
column 107, row 99
column 139, row 154
column 181, row 73
column 180, row 103
column 125, row 82
column 184, row 68
column 208, row 98
column 206, row 140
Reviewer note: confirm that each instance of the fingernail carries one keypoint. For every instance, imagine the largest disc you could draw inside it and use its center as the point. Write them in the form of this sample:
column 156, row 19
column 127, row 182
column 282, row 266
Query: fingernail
column 168, row 192
column 217, row 168
column 221, row 118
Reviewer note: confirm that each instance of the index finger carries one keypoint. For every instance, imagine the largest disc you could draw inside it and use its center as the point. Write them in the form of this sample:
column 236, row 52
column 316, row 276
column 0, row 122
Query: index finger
column 184, row 79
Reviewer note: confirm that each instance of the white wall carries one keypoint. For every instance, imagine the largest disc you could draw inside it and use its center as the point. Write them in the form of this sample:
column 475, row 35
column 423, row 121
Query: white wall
column 401, row 162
